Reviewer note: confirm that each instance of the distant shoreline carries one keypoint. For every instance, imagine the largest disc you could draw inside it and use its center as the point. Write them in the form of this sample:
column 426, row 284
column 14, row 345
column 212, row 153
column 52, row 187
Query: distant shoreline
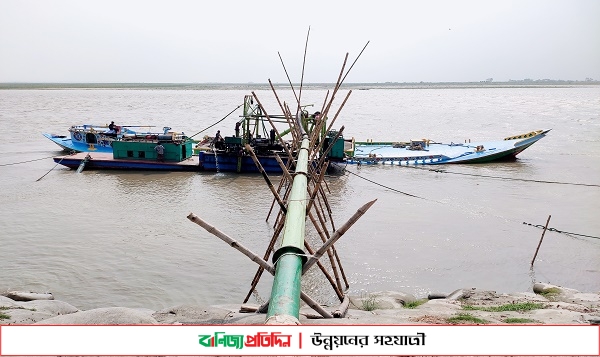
column 359, row 86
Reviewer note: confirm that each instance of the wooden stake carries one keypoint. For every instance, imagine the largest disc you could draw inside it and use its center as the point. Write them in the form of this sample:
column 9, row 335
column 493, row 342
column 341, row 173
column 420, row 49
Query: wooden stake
column 341, row 311
column 540, row 243
column 315, row 305
column 232, row 242
column 337, row 235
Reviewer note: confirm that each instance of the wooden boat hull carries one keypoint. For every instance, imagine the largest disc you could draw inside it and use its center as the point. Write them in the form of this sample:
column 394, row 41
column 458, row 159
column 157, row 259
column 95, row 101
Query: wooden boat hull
column 68, row 144
column 436, row 153
column 104, row 161
column 231, row 162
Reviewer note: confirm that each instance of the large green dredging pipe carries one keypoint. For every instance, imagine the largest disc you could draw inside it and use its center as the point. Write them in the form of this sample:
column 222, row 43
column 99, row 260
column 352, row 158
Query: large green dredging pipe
column 284, row 305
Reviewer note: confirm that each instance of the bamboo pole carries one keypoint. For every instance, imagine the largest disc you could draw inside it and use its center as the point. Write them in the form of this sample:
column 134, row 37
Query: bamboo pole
column 313, row 194
column 232, row 242
column 336, row 288
column 336, row 88
column 302, row 76
column 338, row 285
column 335, row 254
column 280, row 186
column 288, row 119
column 260, row 270
column 337, row 235
column 341, row 311
column 315, row 305
column 353, row 63
column 288, row 77
column 266, row 177
column 541, row 239
column 339, row 262
column 322, row 142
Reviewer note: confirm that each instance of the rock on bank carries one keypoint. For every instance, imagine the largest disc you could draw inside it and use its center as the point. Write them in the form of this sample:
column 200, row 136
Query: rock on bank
column 547, row 304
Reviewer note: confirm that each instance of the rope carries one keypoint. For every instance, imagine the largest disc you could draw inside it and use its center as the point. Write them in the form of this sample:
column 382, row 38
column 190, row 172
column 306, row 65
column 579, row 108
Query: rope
column 71, row 154
column 408, row 194
column 378, row 184
column 559, row 231
column 225, row 117
column 505, row 178
column 24, row 162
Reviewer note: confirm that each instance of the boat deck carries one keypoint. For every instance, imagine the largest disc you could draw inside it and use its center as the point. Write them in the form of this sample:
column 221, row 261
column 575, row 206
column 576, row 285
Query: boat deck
column 106, row 161
column 427, row 152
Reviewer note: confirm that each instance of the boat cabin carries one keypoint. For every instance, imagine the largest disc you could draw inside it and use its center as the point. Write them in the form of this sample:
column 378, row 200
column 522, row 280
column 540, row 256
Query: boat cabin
column 143, row 148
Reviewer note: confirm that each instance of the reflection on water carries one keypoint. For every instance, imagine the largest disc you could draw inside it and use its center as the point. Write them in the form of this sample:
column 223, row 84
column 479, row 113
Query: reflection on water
column 122, row 239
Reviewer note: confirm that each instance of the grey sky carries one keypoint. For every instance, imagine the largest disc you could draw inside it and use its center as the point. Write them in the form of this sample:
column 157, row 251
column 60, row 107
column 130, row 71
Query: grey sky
column 238, row 41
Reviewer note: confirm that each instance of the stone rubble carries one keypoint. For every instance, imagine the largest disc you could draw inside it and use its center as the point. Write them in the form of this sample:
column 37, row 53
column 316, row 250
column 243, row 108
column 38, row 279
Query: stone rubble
column 560, row 306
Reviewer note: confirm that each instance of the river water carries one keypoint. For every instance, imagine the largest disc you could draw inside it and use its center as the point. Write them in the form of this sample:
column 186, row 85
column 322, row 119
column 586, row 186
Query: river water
column 100, row 239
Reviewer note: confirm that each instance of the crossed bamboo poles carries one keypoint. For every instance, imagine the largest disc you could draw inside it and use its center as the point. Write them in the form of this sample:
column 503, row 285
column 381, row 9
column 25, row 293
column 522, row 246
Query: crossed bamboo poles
column 318, row 209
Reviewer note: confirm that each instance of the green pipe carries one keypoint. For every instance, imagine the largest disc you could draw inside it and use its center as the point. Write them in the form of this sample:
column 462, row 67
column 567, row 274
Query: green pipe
column 289, row 258
column 283, row 133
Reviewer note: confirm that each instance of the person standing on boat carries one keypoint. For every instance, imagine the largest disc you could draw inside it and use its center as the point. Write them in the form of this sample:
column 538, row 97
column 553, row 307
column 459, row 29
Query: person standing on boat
column 237, row 129
column 160, row 152
column 218, row 136
column 113, row 129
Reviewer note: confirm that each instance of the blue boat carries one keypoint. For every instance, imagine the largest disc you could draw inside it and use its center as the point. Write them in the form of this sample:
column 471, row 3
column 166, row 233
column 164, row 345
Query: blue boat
column 223, row 162
column 229, row 154
column 137, row 154
column 427, row 152
column 98, row 138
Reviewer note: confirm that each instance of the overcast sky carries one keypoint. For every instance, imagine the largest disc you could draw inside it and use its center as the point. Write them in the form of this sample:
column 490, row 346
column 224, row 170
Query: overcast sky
column 180, row 41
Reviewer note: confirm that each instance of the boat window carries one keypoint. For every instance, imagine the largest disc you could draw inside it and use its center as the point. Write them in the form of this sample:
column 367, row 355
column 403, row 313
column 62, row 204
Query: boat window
column 141, row 154
column 129, row 153
column 90, row 138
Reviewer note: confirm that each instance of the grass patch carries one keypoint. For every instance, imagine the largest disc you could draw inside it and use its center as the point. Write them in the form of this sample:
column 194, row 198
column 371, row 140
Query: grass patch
column 524, row 306
column 414, row 304
column 369, row 302
column 16, row 307
column 4, row 316
column 463, row 318
column 550, row 293
column 517, row 320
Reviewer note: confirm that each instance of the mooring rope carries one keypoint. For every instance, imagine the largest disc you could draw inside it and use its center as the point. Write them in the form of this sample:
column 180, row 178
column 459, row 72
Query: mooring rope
column 504, row 218
column 505, row 178
column 24, row 162
column 559, row 231
column 225, row 117
column 378, row 184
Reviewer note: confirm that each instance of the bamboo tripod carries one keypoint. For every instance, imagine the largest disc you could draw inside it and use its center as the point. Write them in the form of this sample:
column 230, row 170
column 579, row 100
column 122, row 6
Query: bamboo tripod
column 318, row 209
